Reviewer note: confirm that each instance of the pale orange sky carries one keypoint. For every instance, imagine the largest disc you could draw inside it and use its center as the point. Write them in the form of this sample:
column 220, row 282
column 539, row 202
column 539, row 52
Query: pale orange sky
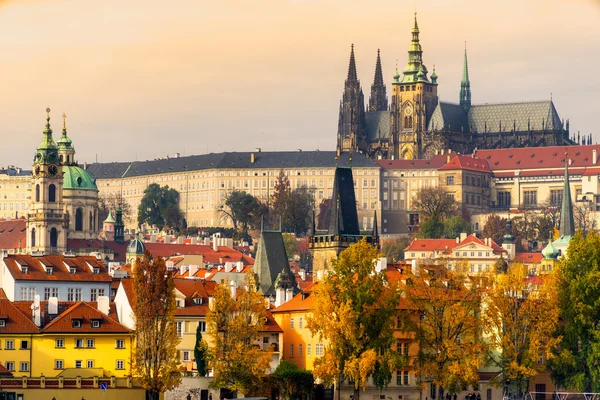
column 143, row 79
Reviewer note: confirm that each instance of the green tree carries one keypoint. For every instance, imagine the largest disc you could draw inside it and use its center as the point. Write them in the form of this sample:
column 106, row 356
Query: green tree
column 294, row 207
column 448, row 330
column 519, row 321
column 431, row 228
column 293, row 382
column 200, row 352
column 393, row 250
column 575, row 365
column 353, row 310
column 243, row 209
column 495, row 228
column 160, row 207
column 234, row 324
column 435, row 203
column 456, row 225
column 155, row 352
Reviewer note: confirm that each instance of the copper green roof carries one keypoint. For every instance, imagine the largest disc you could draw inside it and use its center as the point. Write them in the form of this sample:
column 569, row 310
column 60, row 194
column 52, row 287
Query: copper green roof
column 136, row 246
column 76, row 178
column 47, row 152
column 415, row 59
column 550, row 252
column 110, row 218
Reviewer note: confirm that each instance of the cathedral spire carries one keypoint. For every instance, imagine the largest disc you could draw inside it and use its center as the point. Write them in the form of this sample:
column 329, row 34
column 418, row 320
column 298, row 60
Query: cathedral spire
column 352, row 76
column 378, row 100
column 567, row 225
column 415, row 58
column 465, row 85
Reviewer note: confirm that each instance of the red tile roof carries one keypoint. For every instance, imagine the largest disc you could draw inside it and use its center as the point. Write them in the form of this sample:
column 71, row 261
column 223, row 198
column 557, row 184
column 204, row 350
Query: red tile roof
column 474, row 239
column 60, row 264
column 16, row 321
column 552, row 157
column 13, row 234
column 223, row 254
column 431, row 245
column 434, row 163
column 529, row 258
column 86, row 313
column 469, row 163
column 300, row 302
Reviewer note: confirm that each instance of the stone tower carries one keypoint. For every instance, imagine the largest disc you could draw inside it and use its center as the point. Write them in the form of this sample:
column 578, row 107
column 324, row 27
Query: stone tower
column 378, row 100
column 414, row 98
column 351, row 134
column 47, row 222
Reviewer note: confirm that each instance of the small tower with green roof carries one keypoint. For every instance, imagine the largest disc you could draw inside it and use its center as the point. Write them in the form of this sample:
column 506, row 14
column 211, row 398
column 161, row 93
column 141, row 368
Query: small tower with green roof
column 567, row 223
column 66, row 151
column 465, row 85
column 508, row 241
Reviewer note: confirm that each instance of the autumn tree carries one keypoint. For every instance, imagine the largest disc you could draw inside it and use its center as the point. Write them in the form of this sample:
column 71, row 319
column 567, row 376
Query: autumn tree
column 353, row 311
column 448, row 328
column 110, row 202
column 160, row 207
column 294, row 207
column 519, row 320
column 575, row 365
column 393, row 250
column 584, row 216
column 244, row 210
column 495, row 228
column 155, row 352
column 234, row 323
column 436, row 203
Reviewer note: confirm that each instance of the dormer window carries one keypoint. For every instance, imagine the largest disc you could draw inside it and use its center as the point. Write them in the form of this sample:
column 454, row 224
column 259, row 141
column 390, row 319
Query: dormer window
column 96, row 270
column 95, row 323
column 2, row 323
column 72, row 270
column 76, row 323
column 24, row 269
column 49, row 270
column 197, row 300
column 179, row 303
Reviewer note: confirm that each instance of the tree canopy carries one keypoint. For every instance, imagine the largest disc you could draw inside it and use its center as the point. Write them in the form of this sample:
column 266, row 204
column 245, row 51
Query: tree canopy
column 160, row 207
column 234, row 324
column 294, row 207
column 519, row 320
column 436, row 203
column 110, row 202
column 353, row 311
column 155, row 352
column 244, row 210
column 293, row 382
column 575, row 365
column 447, row 327
column 495, row 228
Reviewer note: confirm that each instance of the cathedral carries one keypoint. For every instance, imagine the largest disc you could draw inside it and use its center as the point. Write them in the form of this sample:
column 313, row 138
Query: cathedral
column 418, row 125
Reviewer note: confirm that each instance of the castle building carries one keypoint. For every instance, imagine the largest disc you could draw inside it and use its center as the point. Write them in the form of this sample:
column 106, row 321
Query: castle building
column 418, row 125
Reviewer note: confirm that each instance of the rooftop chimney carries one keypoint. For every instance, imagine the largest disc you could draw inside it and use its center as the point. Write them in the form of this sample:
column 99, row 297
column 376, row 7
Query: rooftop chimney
column 103, row 304
column 594, row 156
column 252, row 158
column 53, row 305
column 35, row 307
column 233, row 286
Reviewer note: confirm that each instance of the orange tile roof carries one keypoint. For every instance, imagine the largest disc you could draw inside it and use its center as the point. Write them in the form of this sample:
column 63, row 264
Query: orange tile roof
column 534, row 258
column 80, row 310
column 431, row 245
column 13, row 234
column 470, row 163
column 300, row 302
column 60, row 268
column 15, row 320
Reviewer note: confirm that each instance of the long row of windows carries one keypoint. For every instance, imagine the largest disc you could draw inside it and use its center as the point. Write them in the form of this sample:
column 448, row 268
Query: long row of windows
column 23, row 366
column 73, row 294
column 60, row 364
column 319, row 350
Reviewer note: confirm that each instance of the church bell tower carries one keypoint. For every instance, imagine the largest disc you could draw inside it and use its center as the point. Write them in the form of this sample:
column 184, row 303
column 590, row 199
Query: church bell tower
column 47, row 222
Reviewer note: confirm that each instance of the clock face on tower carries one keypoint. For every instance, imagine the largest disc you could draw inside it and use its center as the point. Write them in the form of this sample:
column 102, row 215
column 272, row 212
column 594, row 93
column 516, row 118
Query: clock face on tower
column 52, row 157
column 408, row 110
column 53, row 170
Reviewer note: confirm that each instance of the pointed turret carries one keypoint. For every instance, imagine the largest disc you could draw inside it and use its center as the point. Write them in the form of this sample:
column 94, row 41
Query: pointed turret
column 465, row 85
column 567, row 225
column 378, row 100
column 66, row 152
column 352, row 76
column 508, row 241
column 47, row 151
column 415, row 58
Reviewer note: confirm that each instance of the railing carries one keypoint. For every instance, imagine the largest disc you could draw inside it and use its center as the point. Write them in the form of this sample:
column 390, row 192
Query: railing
column 66, row 383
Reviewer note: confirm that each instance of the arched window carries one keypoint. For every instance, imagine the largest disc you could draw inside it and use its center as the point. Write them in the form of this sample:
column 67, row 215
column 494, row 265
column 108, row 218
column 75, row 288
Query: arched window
column 68, row 159
column 53, row 237
column 33, row 237
column 91, row 221
column 79, row 219
column 408, row 122
column 52, row 193
column 37, row 193
column 60, row 158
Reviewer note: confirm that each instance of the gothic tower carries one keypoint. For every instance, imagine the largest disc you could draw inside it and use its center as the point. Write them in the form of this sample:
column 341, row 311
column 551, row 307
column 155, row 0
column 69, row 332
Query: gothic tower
column 465, row 86
column 378, row 100
column 47, row 222
column 351, row 126
column 414, row 98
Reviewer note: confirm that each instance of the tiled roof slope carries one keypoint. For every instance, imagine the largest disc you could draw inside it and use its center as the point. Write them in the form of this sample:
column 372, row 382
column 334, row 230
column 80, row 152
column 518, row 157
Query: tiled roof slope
column 448, row 116
column 377, row 125
column 16, row 321
column 434, row 162
column 86, row 313
column 467, row 163
column 263, row 159
column 13, row 234
column 271, row 260
column 61, row 265
column 523, row 116
column 552, row 157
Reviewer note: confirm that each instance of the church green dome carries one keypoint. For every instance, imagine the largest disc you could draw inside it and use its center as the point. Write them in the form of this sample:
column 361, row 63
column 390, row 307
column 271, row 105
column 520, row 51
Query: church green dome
column 136, row 246
column 64, row 142
column 550, row 252
column 76, row 178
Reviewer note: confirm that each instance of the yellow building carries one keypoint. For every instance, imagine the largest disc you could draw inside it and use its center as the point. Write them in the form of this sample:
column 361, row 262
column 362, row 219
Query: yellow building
column 15, row 192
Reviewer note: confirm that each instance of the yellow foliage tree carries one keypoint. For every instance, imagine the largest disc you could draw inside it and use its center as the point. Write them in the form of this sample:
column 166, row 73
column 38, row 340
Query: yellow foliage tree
column 233, row 326
column 156, row 340
column 520, row 316
column 448, row 328
column 353, row 311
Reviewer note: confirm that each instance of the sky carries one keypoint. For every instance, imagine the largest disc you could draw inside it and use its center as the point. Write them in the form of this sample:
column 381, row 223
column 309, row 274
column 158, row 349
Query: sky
column 143, row 79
